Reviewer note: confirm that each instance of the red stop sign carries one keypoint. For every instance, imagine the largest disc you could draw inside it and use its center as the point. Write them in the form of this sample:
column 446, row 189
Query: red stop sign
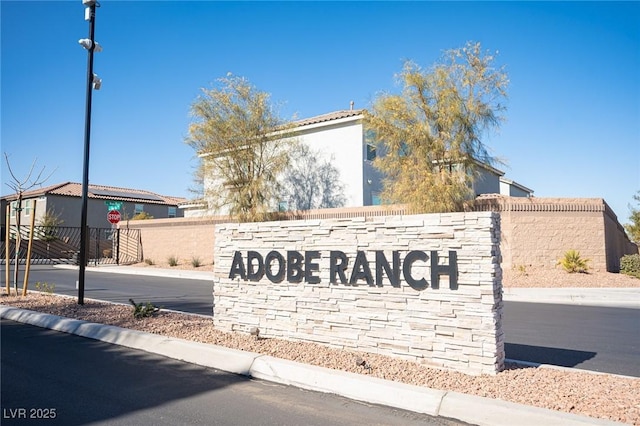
column 113, row 216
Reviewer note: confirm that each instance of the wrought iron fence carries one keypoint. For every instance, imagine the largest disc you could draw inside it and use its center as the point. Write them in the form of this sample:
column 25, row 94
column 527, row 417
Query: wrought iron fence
column 59, row 244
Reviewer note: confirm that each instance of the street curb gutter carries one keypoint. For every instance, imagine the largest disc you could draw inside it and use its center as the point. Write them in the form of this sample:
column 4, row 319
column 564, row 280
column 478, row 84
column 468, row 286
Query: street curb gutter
column 472, row 409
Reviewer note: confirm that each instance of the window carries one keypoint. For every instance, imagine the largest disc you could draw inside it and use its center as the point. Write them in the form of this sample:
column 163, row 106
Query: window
column 172, row 212
column 370, row 141
column 405, row 150
column 371, row 152
column 375, row 199
column 283, row 206
column 139, row 208
column 26, row 208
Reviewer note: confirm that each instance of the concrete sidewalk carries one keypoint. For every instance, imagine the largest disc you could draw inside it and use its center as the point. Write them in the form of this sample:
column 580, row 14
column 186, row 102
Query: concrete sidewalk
column 469, row 408
column 612, row 297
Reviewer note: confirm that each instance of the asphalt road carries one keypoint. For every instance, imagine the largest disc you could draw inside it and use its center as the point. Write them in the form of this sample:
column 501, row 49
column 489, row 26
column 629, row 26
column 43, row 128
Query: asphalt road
column 592, row 338
column 54, row 378
column 187, row 295
column 587, row 337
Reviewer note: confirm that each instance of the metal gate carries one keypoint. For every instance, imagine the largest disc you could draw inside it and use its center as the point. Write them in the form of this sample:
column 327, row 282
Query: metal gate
column 59, row 244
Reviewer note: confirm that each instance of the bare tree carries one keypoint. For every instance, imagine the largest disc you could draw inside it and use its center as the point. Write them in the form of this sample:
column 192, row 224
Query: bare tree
column 311, row 181
column 20, row 186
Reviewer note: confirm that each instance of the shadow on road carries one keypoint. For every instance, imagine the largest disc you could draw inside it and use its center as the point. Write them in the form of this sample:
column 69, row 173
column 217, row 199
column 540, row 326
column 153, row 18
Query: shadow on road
column 89, row 381
column 544, row 355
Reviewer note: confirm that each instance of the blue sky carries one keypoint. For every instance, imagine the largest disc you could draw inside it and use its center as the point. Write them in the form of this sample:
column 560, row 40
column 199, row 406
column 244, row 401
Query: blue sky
column 573, row 113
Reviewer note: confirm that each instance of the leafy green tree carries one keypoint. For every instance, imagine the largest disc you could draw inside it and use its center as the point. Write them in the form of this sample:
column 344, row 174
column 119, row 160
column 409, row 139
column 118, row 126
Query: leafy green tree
column 237, row 134
column 633, row 228
column 430, row 135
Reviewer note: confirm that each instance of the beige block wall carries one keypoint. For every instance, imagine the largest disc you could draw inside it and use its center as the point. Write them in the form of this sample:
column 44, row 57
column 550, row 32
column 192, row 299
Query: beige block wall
column 540, row 239
column 535, row 231
column 539, row 231
column 616, row 245
column 184, row 239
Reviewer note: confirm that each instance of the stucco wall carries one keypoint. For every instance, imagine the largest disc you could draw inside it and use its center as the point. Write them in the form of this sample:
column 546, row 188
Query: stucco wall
column 451, row 326
column 182, row 238
column 540, row 239
column 341, row 142
column 539, row 231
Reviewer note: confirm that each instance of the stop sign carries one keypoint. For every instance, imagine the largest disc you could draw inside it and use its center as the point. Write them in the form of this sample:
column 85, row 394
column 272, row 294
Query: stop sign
column 113, row 216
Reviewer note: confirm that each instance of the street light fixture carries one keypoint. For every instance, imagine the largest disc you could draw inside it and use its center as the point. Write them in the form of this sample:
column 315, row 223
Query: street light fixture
column 93, row 82
column 97, row 82
column 87, row 43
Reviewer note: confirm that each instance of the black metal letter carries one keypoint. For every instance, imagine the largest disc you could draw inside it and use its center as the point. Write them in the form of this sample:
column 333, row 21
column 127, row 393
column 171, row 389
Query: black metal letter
column 237, row 267
column 279, row 276
column 295, row 274
column 451, row 269
column 361, row 269
column 337, row 265
column 254, row 275
column 382, row 263
column 310, row 267
column 414, row 255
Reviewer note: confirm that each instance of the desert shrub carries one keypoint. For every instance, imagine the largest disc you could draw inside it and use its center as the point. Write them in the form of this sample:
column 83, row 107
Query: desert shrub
column 49, row 224
column 142, row 310
column 142, row 216
column 630, row 265
column 572, row 262
column 45, row 287
column 195, row 262
column 149, row 262
column 173, row 261
column 521, row 270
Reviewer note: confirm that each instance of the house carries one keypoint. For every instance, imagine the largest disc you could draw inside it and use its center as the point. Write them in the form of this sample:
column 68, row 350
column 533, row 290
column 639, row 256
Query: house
column 341, row 138
column 64, row 201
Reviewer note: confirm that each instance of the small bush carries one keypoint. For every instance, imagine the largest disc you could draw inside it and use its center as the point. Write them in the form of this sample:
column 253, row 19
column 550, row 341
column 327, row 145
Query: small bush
column 173, row 261
column 521, row 270
column 142, row 310
column 149, row 262
column 630, row 265
column 572, row 262
column 195, row 262
column 45, row 287
column 142, row 216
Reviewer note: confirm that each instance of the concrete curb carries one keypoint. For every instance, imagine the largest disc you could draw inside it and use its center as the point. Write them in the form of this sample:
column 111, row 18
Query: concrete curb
column 151, row 272
column 611, row 297
column 473, row 409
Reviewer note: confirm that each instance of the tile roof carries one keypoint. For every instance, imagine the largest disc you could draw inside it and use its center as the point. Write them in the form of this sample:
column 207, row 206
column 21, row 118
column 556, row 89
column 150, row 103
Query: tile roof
column 336, row 115
column 72, row 189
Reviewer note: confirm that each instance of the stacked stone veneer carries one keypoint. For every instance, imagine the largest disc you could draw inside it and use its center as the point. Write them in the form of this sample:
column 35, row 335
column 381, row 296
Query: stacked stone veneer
column 458, row 329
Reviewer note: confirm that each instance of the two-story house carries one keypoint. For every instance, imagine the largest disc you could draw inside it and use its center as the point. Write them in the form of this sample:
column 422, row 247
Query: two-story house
column 341, row 137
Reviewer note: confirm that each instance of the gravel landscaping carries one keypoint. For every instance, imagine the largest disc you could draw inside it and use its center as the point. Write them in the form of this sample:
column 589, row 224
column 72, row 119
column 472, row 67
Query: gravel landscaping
column 592, row 394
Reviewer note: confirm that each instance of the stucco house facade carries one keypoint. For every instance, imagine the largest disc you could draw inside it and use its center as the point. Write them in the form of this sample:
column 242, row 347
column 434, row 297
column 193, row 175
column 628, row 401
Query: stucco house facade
column 341, row 137
column 64, row 200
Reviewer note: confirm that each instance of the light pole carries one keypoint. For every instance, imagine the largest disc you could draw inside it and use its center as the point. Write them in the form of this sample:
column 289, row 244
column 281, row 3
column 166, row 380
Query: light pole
column 92, row 82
